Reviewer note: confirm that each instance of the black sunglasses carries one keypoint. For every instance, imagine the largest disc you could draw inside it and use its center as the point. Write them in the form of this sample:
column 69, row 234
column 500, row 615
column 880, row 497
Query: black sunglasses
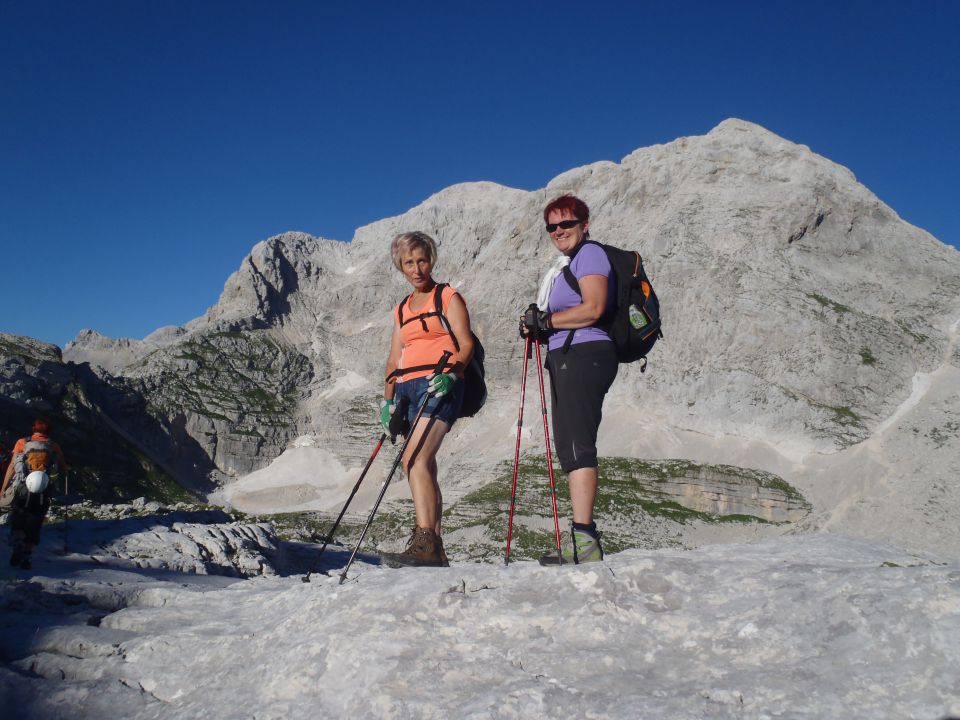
column 565, row 224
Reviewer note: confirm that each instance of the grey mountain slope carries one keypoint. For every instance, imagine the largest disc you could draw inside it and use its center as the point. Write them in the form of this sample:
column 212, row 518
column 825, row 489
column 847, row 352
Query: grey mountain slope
column 799, row 312
column 113, row 444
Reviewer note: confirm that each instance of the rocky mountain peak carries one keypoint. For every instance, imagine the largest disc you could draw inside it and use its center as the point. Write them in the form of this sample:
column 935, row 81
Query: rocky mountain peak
column 799, row 313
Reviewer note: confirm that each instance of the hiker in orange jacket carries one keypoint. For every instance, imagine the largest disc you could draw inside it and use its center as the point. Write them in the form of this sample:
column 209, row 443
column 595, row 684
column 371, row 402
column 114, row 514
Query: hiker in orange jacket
column 28, row 509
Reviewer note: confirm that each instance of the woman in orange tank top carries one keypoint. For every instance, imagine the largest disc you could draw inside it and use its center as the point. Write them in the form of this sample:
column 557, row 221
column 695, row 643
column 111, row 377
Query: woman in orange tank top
column 417, row 344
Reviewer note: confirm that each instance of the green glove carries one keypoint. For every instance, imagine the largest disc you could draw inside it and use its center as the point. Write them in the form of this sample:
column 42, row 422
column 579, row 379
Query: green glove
column 440, row 385
column 386, row 412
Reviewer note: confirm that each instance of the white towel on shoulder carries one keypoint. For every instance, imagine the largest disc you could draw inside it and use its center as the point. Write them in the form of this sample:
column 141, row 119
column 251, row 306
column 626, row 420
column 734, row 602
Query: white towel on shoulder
column 546, row 285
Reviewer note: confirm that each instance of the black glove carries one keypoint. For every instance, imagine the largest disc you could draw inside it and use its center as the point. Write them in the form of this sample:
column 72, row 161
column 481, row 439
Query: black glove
column 523, row 329
column 399, row 423
column 536, row 323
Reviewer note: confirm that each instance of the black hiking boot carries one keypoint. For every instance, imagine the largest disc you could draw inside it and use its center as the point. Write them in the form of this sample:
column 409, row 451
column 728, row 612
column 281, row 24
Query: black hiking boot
column 19, row 554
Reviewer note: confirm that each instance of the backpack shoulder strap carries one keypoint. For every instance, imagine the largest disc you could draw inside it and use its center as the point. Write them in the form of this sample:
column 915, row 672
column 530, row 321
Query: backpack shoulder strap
column 422, row 317
column 575, row 284
column 438, row 311
column 400, row 308
column 568, row 273
column 20, row 461
column 571, row 280
column 438, row 297
column 438, row 304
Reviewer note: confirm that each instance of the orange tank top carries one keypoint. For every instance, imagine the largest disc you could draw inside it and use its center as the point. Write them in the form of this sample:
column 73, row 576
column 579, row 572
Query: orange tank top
column 423, row 335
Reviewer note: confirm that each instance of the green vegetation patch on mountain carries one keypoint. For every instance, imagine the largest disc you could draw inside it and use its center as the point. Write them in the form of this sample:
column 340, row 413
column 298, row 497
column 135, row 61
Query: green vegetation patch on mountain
column 638, row 506
column 228, row 376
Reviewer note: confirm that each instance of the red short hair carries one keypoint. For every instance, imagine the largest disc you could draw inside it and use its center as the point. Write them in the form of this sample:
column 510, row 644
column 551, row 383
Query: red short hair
column 41, row 426
column 577, row 207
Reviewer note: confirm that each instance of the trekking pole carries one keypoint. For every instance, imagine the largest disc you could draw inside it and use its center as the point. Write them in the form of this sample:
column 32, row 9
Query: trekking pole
column 516, row 454
column 383, row 436
column 546, row 434
column 396, row 464
column 66, row 512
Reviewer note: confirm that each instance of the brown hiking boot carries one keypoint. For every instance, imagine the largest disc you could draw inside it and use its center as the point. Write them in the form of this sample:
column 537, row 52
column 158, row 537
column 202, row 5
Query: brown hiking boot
column 425, row 549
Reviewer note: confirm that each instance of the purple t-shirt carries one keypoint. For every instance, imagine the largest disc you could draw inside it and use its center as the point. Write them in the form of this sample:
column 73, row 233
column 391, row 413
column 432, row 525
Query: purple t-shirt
column 590, row 260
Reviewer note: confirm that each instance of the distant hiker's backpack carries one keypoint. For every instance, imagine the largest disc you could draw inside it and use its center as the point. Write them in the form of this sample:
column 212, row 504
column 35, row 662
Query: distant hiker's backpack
column 474, row 382
column 39, row 455
column 634, row 321
column 36, row 455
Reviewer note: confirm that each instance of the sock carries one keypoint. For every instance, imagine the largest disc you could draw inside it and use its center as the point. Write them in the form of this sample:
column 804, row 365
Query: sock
column 590, row 529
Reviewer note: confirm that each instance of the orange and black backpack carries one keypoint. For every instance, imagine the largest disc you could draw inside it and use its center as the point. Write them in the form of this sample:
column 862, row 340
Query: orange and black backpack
column 36, row 455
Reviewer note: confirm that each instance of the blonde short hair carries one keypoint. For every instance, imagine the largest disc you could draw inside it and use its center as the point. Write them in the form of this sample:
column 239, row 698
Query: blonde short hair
column 410, row 241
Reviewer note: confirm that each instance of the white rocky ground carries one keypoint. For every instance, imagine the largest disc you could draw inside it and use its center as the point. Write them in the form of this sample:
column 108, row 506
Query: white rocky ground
column 821, row 626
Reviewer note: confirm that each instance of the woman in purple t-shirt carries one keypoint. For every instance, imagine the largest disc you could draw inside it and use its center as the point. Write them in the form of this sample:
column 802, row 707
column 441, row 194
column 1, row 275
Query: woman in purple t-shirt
column 582, row 364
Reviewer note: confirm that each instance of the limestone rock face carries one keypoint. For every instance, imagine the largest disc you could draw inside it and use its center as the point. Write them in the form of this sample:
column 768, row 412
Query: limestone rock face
column 114, row 354
column 32, row 373
column 799, row 312
column 235, row 549
column 236, row 393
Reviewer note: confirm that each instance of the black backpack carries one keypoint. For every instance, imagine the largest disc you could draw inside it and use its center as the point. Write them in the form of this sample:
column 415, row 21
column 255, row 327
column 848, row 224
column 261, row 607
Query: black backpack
column 634, row 321
column 475, row 384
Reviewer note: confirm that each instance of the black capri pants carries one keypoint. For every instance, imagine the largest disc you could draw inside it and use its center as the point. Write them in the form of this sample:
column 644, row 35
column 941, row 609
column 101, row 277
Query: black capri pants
column 26, row 515
column 579, row 380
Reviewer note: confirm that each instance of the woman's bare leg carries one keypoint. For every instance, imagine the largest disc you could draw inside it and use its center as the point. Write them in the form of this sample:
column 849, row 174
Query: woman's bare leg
column 420, row 461
column 583, row 493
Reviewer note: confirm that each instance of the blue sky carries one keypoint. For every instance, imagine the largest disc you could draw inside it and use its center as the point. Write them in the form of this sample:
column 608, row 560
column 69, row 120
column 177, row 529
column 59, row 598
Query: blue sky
column 145, row 147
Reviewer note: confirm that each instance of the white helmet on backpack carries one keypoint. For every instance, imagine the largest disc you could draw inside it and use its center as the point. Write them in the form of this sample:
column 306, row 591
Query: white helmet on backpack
column 37, row 481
